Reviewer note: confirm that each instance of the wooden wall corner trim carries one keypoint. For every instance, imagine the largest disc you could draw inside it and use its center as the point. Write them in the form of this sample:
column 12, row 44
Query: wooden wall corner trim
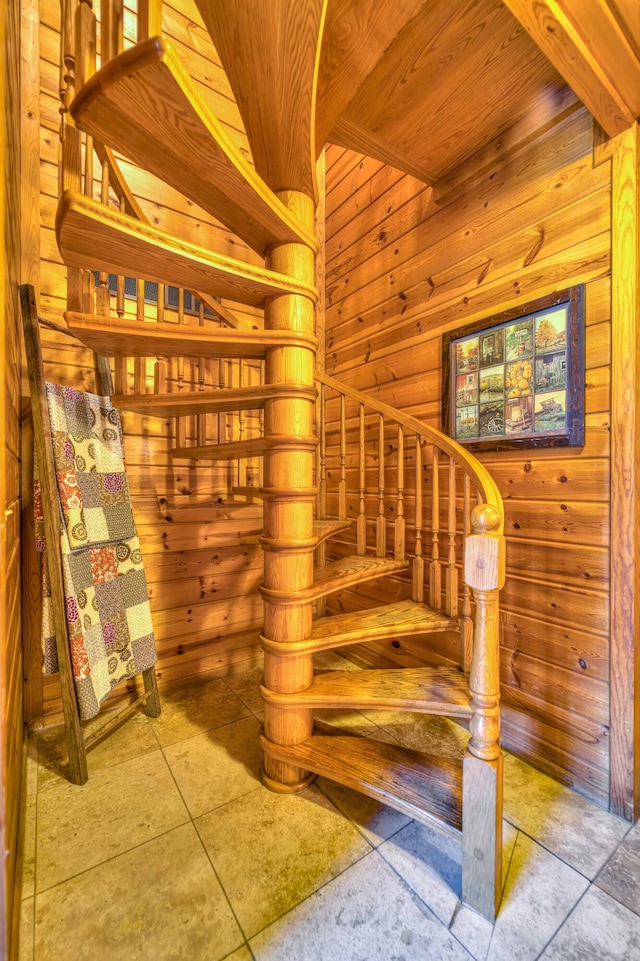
column 625, row 477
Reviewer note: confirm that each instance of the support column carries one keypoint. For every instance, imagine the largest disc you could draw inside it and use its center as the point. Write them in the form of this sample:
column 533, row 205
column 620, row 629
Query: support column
column 289, row 498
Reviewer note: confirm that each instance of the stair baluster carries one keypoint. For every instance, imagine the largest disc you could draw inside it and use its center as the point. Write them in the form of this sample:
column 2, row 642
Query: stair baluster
column 149, row 19
column 399, row 525
column 381, row 520
column 466, row 624
column 361, row 527
column 342, row 484
column 451, row 573
column 418, row 561
column 111, row 29
column 435, row 569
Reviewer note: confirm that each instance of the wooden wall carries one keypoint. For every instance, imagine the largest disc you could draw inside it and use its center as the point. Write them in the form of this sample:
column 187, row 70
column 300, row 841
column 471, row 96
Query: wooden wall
column 202, row 559
column 405, row 262
column 11, row 724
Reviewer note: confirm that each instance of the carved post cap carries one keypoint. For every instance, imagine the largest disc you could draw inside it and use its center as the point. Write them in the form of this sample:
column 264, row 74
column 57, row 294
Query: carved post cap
column 484, row 518
column 484, row 561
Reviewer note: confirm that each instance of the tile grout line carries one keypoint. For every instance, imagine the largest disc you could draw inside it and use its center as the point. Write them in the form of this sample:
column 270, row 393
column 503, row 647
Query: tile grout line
column 563, row 922
column 206, row 853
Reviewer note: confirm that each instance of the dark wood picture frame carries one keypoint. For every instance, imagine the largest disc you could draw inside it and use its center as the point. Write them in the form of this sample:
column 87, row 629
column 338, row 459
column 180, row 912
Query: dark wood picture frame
column 516, row 379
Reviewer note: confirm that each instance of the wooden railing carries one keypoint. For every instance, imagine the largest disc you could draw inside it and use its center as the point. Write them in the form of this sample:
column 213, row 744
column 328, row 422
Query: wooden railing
column 417, row 494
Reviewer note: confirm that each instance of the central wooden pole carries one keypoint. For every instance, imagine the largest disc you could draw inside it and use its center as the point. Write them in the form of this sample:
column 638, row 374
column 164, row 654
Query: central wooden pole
column 289, row 497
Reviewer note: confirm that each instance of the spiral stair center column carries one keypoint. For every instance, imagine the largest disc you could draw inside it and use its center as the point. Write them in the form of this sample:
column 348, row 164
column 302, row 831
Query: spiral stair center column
column 289, row 500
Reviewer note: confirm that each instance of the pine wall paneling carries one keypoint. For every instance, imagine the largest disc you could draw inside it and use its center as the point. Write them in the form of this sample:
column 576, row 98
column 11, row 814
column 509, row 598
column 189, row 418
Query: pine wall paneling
column 201, row 553
column 406, row 262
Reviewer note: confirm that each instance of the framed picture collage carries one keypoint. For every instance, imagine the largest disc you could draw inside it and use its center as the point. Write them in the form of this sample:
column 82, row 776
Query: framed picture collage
column 518, row 379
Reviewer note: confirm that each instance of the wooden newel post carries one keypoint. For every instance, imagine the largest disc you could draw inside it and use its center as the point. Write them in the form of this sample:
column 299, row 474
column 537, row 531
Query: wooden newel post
column 482, row 768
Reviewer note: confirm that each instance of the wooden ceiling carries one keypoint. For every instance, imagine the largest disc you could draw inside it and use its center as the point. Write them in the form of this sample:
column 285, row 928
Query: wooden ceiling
column 425, row 84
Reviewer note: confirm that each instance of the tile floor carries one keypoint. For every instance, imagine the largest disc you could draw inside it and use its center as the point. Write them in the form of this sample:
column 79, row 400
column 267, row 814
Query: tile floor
column 174, row 850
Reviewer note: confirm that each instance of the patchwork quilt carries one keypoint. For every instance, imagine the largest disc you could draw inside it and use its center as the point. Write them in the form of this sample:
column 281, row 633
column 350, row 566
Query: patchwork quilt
column 108, row 615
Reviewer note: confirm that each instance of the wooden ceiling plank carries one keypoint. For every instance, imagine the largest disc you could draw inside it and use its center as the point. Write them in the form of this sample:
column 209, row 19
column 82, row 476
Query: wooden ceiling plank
column 355, row 37
column 280, row 41
column 560, row 37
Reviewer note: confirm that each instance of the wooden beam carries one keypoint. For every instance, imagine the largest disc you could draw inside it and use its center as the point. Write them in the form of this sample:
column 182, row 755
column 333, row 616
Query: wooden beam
column 625, row 477
column 562, row 31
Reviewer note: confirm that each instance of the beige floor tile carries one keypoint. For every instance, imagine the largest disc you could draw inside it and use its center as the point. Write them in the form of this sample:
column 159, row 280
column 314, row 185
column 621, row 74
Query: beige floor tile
column 118, row 808
column 159, row 902
column 242, row 954
column 429, row 859
column 620, row 877
column 133, row 738
column 29, row 855
column 539, row 893
column 271, row 851
column 32, row 764
column 27, row 919
column 426, row 732
column 348, row 720
column 200, row 707
column 366, row 914
column 214, row 768
column 579, row 832
column 600, row 929
column 375, row 821
column 247, row 687
column 333, row 661
column 473, row 931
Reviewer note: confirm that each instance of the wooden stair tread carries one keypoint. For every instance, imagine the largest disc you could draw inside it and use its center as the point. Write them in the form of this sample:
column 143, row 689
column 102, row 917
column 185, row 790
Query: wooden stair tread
column 242, row 448
column 207, row 402
column 112, row 336
column 96, row 237
column 337, row 575
column 401, row 619
column 321, row 531
column 324, row 529
column 248, row 491
column 425, row 690
column 276, row 96
column 420, row 785
column 144, row 104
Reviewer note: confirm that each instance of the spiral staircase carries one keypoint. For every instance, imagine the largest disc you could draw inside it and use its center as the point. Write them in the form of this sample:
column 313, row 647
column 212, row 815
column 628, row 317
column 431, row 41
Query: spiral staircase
column 142, row 103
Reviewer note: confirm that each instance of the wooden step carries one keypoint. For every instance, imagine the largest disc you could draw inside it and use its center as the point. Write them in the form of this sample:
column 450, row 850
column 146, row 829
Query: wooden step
column 112, row 336
column 144, row 104
column 270, row 54
column 94, row 236
column 338, row 575
column 321, row 531
column 420, row 785
column 244, row 448
column 425, row 690
column 402, row 619
column 208, row 402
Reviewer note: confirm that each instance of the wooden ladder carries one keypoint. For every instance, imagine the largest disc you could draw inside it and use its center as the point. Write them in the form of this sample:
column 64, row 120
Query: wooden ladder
column 307, row 419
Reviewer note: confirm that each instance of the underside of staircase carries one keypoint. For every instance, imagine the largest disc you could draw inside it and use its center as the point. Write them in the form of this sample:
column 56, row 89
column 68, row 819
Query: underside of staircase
column 143, row 104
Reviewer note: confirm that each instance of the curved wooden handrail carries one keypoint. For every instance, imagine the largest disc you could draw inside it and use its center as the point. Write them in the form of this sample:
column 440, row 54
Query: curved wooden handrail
column 478, row 474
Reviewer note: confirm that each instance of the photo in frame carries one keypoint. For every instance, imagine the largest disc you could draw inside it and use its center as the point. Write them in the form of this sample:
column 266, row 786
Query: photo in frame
column 516, row 379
